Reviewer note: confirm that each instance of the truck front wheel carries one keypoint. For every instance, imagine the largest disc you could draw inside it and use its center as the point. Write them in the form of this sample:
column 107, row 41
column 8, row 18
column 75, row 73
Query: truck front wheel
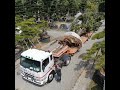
column 51, row 76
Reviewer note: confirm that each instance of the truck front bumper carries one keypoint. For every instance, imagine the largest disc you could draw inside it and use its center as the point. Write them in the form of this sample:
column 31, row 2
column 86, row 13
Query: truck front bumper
column 37, row 82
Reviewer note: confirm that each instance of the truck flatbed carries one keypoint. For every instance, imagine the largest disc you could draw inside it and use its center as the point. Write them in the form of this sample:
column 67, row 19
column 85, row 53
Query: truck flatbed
column 59, row 51
column 85, row 37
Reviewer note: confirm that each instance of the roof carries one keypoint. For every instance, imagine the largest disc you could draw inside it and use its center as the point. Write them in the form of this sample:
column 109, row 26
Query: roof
column 35, row 54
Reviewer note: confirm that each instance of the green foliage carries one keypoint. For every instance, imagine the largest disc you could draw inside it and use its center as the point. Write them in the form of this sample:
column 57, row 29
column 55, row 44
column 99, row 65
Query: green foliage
column 91, row 6
column 75, row 28
column 18, row 19
column 99, row 35
column 82, row 5
column 29, row 22
column 94, row 86
column 59, row 7
column 100, row 59
column 90, row 21
column 91, row 16
column 86, row 57
column 18, row 38
column 100, row 62
column 102, row 7
column 55, row 9
column 46, row 7
column 30, row 29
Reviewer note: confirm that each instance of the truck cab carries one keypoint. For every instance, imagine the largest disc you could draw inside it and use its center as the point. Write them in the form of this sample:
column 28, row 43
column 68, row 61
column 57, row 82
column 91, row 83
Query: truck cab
column 37, row 66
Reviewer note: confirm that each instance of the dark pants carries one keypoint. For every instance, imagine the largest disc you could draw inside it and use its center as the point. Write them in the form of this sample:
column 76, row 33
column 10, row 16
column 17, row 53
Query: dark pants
column 58, row 72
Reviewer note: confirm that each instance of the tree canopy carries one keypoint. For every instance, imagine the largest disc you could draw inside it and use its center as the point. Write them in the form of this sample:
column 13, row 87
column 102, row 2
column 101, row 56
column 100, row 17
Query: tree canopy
column 28, row 11
column 93, row 54
column 29, row 28
column 91, row 15
column 46, row 7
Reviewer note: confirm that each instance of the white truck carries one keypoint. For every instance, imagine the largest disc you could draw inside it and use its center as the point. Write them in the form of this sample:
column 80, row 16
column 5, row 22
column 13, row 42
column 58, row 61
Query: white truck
column 38, row 66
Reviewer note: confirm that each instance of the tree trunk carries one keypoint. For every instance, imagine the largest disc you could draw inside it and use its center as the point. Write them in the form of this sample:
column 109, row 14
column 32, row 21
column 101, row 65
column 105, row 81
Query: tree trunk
column 26, row 44
column 31, row 42
column 38, row 40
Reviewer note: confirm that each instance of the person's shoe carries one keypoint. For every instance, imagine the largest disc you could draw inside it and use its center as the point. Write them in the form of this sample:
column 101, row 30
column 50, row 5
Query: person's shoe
column 59, row 80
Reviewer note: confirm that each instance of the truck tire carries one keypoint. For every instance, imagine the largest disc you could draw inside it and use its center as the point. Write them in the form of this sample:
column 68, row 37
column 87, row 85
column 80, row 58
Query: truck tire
column 51, row 76
column 67, row 62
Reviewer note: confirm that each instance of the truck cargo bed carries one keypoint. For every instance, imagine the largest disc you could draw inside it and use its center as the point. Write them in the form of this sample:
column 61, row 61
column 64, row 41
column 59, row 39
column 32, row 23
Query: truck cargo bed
column 86, row 37
column 59, row 51
column 72, row 50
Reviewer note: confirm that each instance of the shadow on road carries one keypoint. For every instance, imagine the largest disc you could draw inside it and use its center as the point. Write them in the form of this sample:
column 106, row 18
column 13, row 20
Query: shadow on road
column 81, row 55
column 89, row 73
column 81, row 64
column 88, row 65
column 90, row 69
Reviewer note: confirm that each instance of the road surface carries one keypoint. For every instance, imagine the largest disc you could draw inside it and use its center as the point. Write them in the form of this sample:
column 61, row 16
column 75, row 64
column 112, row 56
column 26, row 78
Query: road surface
column 70, row 73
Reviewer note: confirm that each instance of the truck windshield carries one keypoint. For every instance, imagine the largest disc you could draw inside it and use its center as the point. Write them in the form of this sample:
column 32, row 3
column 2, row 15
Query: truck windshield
column 30, row 64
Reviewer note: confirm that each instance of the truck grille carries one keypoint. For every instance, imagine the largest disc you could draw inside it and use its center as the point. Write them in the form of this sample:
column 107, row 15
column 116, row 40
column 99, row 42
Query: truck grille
column 29, row 75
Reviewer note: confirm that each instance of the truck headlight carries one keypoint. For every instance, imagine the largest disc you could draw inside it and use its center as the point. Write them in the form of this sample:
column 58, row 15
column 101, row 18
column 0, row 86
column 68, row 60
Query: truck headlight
column 40, row 79
column 37, row 78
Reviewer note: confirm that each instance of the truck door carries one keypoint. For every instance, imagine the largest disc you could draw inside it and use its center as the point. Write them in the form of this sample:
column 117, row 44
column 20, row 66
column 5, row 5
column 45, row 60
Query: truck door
column 51, row 61
column 46, row 64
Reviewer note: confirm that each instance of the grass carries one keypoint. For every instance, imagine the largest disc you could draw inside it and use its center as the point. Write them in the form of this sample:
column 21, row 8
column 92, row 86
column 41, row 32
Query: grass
column 94, row 86
column 99, row 35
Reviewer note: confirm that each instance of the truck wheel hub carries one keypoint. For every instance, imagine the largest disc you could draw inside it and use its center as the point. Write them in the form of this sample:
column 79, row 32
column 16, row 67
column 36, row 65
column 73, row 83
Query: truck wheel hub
column 50, row 76
column 68, row 61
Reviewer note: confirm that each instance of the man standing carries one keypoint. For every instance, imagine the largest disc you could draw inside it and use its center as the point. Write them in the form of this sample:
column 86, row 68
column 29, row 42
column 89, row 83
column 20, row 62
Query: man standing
column 58, row 72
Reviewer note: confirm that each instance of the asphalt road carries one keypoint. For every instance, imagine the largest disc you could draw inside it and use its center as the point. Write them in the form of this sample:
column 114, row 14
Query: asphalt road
column 70, row 73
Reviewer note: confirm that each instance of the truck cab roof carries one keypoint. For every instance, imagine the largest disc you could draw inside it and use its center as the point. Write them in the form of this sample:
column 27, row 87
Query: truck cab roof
column 34, row 54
